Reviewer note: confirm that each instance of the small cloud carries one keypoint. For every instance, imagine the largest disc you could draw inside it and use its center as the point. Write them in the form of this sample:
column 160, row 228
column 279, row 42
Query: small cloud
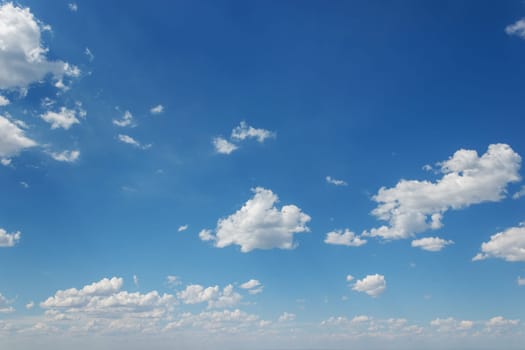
column 253, row 286
column 73, row 7
column 347, row 238
column 182, row 228
column 287, row 317
column 335, row 182
column 173, row 281
column 521, row 281
column 520, row 193
column 373, row 285
column 517, row 29
column 24, row 184
column 30, row 305
column 8, row 240
column 431, row 244
column 89, row 54
column 157, row 109
column 223, row 146
column 349, row 278
column 131, row 141
column 206, row 235
column 64, row 118
column 65, row 156
column 126, row 120
column 244, row 131
column 135, row 280
column 4, row 101
column 5, row 161
column 427, row 167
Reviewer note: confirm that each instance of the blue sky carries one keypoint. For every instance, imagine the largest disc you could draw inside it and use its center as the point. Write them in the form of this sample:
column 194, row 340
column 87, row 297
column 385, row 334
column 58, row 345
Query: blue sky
column 277, row 174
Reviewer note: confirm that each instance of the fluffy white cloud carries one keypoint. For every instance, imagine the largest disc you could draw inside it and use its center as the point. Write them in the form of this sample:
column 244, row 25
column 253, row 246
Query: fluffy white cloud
column 22, row 57
column 223, row 146
column 182, row 228
column 432, row 244
column 260, row 225
column 500, row 321
column 13, row 138
column 287, row 317
column 508, row 245
column 9, row 239
column 157, row 109
column 372, row 285
column 451, row 324
column 517, row 28
column 346, row 238
column 253, row 286
column 415, row 206
column 126, row 120
column 4, row 101
column 335, row 182
column 196, row 294
column 64, row 118
column 131, row 141
column 66, row 156
column 206, row 235
column 30, row 305
column 244, row 131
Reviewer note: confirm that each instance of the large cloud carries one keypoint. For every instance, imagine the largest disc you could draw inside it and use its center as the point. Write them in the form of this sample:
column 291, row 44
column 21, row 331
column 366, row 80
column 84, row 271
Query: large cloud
column 508, row 245
column 13, row 138
column 414, row 206
column 260, row 225
column 22, row 57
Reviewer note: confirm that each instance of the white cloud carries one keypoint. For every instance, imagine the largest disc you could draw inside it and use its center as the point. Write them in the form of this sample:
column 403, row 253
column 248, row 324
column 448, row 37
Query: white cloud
column 346, row 238
column 182, row 228
column 65, row 118
column 9, row 239
column 450, row 324
column 73, row 7
column 223, row 146
column 287, row 317
column 349, row 278
column 157, row 109
column 131, row 141
column 250, row 284
column 260, row 225
column 431, row 244
column 244, row 131
column 127, row 120
column 521, row 281
column 172, row 280
column 335, row 182
column 500, row 321
column 5, row 161
column 22, row 57
column 4, row 101
column 221, row 322
column 30, row 305
column 520, row 193
column 13, row 138
column 5, row 306
column 196, row 294
column 414, row 206
column 508, row 245
column 66, row 156
column 372, row 285
column 206, row 235
column 517, row 28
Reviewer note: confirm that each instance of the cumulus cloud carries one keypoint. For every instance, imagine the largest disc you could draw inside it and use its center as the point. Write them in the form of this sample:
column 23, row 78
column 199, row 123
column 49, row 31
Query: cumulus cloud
column 12, row 138
column 9, row 239
column 508, row 245
column 223, row 146
column 157, row 109
column 182, row 228
column 64, row 118
column 517, row 28
column 5, row 306
column 450, row 324
column 196, row 294
column 414, row 206
column 373, row 285
column 335, row 182
column 66, row 156
column 22, row 57
column 131, row 141
column 346, row 238
column 259, row 224
column 431, row 244
column 500, row 321
column 30, row 305
column 244, row 131
column 4, row 101
column 126, row 120
column 253, row 286
column 287, row 317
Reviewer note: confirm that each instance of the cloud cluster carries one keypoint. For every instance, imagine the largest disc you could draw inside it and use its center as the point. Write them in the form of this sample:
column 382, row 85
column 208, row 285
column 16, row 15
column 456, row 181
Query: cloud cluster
column 196, row 294
column 259, row 224
column 238, row 134
column 508, row 245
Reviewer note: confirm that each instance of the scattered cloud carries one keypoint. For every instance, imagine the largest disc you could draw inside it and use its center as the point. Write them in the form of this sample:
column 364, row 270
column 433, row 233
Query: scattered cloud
column 431, row 244
column 244, row 131
column 450, row 324
column 520, row 193
column 8, row 240
column 349, row 278
column 12, row 138
column 64, row 118
column 335, row 182
column 158, row 109
column 346, row 238
column 23, row 58
column 30, row 305
column 259, row 224
column 66, row 156
column 517, row 28
column 223, row 146
column 73, row 7
column 127, row 120
column 5, row 306
column 373, row 285
column 253, row 286
column 508, row 245
column 414, row 206
column 4, row 101
column 196, row 294
column 182, row 228
column 287, row 317
column 131, row 141
column 172, row 280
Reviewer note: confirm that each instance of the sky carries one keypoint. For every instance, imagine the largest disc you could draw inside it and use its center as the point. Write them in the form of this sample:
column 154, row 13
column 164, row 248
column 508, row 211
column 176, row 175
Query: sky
column 262, row 174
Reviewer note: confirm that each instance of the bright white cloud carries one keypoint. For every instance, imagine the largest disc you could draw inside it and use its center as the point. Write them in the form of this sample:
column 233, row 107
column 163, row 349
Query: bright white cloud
column 373, row 285
column 182, row 228
column 126, row 120
column 517, row 28
column 8, row 240
column 12, row 138
column 250, row 284
column 66, row 156
column 414, row 206
column 259, row 224
column 5, row 306
column 4, row 101
column 223, row 146
column 206, row 235
column 431, row 244
column 520, row 193
column 346, row 238
column 244, row 131
column 157, row 109
column 131, row 141
column 196, row 294
column 508, row 245
column 64, row 118
column 22, row 57
column 335, row 182
column 286, row 317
